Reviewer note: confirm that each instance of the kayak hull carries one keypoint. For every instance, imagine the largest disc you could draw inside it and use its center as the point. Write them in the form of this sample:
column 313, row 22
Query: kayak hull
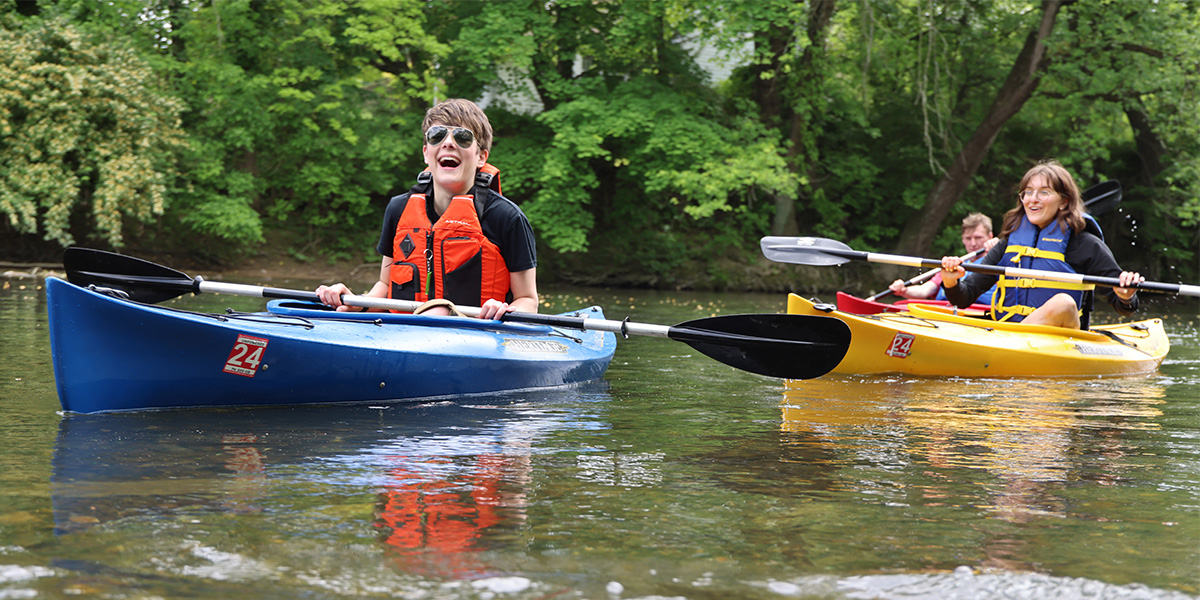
column 931, row 342
column 114, row 355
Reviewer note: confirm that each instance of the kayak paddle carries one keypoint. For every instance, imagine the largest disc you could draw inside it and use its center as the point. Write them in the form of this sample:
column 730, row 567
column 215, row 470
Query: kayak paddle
column 1097, row 200
column 776, row 345
column 923, row 277
column 1102, row 197
column 815, row 251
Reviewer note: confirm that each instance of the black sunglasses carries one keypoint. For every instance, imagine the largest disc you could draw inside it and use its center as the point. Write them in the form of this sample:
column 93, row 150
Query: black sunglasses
column 462, row 136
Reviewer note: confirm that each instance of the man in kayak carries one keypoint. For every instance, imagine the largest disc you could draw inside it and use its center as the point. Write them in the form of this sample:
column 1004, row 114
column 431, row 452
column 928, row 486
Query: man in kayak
column 453, row 238
column 1047, row 230
column 976, row 235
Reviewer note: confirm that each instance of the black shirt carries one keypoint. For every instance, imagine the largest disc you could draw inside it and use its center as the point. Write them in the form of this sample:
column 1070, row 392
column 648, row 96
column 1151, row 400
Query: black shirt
column 502, row 221
column 1086, row 253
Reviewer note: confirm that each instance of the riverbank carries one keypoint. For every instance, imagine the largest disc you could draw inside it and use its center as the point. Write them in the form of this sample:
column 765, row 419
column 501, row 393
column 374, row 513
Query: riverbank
column 258, row 269
column 573, row 270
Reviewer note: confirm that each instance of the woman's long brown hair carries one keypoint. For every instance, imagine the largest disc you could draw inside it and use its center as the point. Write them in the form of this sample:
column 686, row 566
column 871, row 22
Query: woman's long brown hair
column 1061, row 182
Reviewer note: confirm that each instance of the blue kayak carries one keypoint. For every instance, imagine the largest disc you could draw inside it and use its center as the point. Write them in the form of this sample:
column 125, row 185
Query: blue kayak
column 112, row 354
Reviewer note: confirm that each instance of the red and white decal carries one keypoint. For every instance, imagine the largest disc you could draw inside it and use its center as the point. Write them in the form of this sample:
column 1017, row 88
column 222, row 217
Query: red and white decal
column 901, row 345
column 246, row 355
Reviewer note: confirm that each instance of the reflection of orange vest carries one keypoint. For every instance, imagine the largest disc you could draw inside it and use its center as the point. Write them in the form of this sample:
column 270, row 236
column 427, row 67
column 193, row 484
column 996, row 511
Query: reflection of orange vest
column 466, row 267
column 422, row 514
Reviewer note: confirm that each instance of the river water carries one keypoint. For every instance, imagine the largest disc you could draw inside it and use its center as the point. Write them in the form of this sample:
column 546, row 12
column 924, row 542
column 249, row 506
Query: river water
column 675, row 477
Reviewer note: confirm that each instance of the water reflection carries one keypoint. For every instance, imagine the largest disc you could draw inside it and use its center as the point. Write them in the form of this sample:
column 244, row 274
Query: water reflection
column 243, row 457
column 448, row 480
column 1017, row 430
column 436, row 512
column 678, row 484
column 1009, row 449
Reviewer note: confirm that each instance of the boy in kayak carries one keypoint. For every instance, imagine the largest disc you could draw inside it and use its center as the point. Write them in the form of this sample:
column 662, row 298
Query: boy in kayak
column 976, row 235
column 1046, row 231
column 455, row 225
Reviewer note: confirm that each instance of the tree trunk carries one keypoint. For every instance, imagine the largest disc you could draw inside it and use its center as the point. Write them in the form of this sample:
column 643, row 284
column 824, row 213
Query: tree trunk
column 811, row 89
column 765, row 75
column 1150, row 147
column 1018, row 87
column 794, row 114
column 767, row 91
column 784, row 222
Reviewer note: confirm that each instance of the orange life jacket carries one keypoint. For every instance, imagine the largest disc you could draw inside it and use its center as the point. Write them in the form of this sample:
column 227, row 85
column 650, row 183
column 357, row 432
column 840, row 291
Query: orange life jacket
column 466, row 267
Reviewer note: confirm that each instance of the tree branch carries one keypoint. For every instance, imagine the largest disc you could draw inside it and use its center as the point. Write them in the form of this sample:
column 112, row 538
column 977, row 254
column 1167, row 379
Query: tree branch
column 1018, row 87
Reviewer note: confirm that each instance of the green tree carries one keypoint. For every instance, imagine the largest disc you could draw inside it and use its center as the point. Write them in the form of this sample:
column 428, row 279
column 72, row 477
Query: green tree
column 302, row 112
column 88, row 137
column 296, row 112
column 786, row 81
column 1123, row 84
column 1100, row 85
column 626, row 135
column 876, row 123
column 1010, row 96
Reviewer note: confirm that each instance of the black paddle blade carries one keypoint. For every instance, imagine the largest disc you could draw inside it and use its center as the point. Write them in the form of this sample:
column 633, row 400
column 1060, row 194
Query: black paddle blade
column 144, row 281
column 776, row 345
column 810, row 251
column 1102, row 197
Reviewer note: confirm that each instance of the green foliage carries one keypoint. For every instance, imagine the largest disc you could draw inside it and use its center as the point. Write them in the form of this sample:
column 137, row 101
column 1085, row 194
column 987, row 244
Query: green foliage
column 303, row 112
column 86, row 134
column 612, row 132
column 646, row 136
column 630, row 136
column 297, row 111
column 1118, row 101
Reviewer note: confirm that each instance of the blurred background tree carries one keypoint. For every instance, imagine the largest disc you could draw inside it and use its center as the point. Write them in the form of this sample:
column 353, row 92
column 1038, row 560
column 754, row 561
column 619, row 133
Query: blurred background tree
column 89, row 139
column 651, row 143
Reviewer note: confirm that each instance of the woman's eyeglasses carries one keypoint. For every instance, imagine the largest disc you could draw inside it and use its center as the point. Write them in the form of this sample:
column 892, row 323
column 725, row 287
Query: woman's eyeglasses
column 1042, row 194
column 462, row 136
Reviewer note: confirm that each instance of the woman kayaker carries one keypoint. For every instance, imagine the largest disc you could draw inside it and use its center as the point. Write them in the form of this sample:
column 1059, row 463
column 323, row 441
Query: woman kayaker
column 1047, row 230
column 976, row 235
column 454, row 223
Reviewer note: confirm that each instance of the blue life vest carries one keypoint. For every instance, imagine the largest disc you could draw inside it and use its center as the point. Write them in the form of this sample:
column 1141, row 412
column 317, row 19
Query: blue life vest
column 1043, row 250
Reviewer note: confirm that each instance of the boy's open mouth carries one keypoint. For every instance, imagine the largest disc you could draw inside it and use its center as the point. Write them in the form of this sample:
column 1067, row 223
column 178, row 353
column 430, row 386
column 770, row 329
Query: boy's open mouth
column 448, row 161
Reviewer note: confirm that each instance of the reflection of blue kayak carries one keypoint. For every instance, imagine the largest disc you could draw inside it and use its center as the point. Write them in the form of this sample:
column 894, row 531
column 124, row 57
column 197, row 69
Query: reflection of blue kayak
column 151, row 464
column 112, row 354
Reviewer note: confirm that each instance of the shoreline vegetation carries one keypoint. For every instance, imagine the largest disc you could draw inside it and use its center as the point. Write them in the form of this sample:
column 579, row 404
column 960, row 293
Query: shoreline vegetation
column 651, row 145
column 282, row 270
column 762, row 276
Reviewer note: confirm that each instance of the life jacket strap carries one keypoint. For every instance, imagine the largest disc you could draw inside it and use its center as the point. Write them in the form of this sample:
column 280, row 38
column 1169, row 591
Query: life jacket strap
column 1033, row 252
column 1027, row 283
column 1000, row 312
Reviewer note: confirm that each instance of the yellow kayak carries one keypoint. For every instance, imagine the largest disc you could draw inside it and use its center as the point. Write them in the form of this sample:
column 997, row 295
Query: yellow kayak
column 929, row 341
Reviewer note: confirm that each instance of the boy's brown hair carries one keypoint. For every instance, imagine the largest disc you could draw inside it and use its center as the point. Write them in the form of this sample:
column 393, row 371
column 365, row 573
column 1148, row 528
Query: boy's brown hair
column 458, row 112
